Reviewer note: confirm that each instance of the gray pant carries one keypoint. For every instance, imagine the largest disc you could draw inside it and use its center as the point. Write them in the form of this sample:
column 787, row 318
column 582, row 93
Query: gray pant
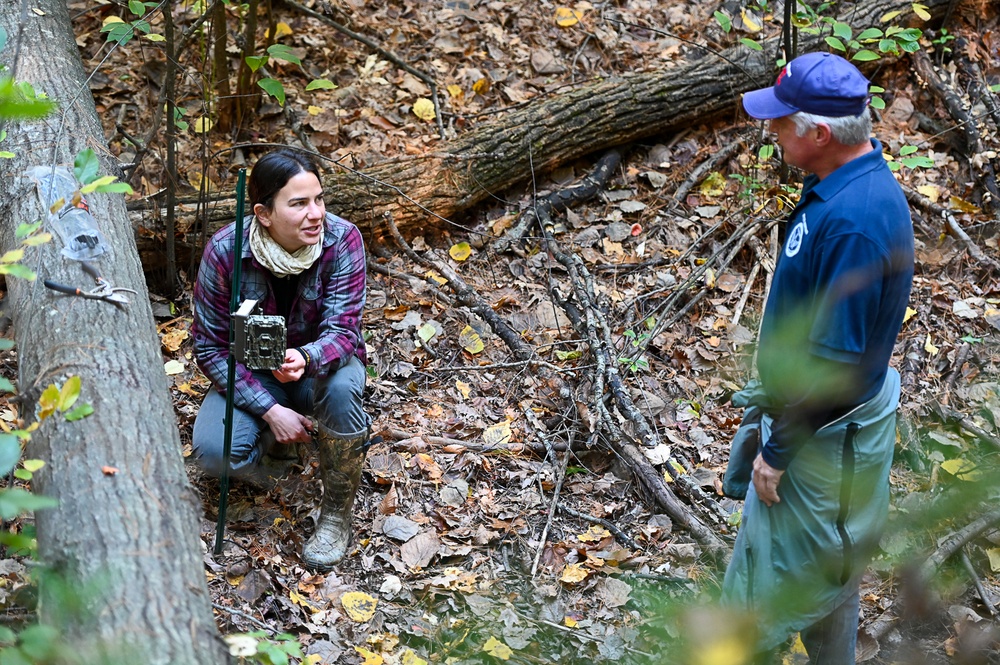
column 335, row 401
column 829, row 641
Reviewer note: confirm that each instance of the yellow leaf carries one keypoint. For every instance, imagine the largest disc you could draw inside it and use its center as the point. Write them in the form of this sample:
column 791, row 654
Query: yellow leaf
column 481, row 87
column 497, row 434
column 48, row 401
column 111, row 19
column 471, row 341
column 314, row 110
column 282, row 30
column 710, row 278
column 750, row 21
column 463, row 388
column 201, row 125
column 962, row 205
column 460, row 251
column 994, row 555
column 37, row 239
column 434, row 276
column 921, row 11
column 569, row 621
column 360, row 607
column 423, row 108
column 714, row 184
column 930, row 348
column 33, row 465
column 13, row 256
column 730, row 650
column 410, row 658
column 370, row 657
column 889, row 16
column 573, row 573
column 314, row 659
column 933, row 192
column 566, row 17
column 497, row 649
column 594, row 534
column 910, row 313
column 962, row 469
column 70, row 393
column 456, row 91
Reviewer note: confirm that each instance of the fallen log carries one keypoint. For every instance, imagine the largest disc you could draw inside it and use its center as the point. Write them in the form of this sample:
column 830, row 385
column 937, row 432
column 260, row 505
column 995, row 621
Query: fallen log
column 421, row 190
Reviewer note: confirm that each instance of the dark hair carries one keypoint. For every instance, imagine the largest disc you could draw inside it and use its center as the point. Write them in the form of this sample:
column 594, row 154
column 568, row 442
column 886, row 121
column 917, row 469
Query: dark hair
column 274, row 170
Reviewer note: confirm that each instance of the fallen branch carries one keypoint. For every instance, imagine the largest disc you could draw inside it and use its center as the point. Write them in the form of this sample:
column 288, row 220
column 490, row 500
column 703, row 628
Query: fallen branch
column 917, row 199
column 458, row 445
column 619, row 535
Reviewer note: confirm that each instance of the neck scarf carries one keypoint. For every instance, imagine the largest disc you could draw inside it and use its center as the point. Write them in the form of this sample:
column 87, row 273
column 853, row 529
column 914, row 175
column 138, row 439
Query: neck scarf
column 276, row 258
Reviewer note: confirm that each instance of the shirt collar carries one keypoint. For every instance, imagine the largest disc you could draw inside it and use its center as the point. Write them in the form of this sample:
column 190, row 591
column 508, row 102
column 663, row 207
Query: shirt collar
column 831, row 185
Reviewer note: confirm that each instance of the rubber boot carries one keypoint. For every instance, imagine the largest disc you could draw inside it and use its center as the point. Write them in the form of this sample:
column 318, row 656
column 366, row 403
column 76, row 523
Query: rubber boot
column 341, row 459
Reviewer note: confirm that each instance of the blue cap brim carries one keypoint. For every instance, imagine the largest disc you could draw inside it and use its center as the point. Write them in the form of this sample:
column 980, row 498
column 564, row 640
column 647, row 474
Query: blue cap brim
column 764, row 105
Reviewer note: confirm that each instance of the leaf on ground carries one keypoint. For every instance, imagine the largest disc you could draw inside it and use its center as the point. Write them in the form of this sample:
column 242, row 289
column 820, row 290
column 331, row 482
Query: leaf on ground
column 573, row 573
column 962, row 469
column 423, row 108
column 471, row 341
column 420, row 550
column 173, row 367
column 567, row 17
column 497, row 435
column 497, row 649
column 613, row 592
column 994, row 554
column 360, row 607
column 172, row 340
column 427, row 464
column 400, row 528
column 594, row 534
column 460, row 251
column 411, row 658
column 929, row 347
column 370, row 657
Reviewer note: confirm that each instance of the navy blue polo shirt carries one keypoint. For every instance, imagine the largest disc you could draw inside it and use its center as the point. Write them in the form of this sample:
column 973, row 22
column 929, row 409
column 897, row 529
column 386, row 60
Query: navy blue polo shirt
column 841, row 286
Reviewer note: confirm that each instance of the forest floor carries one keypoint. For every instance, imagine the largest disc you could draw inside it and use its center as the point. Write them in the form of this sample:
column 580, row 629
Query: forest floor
column 478, row 536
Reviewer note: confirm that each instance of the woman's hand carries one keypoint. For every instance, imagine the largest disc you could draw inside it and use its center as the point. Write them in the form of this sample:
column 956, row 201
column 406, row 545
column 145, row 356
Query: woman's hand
column 287, row 425
column 292, row 368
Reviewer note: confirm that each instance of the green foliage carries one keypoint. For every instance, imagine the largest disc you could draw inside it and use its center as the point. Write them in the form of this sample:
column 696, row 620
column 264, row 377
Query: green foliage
column 274, row 88
column 257, row 647
column 910, row 160
column 635, row 362
column 122, row 32
column 19, row 101
column 86, row 168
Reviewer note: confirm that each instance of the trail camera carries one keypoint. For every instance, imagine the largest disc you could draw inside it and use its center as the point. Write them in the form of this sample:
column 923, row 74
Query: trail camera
column 259, row 341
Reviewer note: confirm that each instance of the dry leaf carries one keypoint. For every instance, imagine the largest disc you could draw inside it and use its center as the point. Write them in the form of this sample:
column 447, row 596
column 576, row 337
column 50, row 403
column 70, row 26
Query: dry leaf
column 460, row 251
column 172, row 367
column 481, row 87
column 360, row 607
column 930, row 348
column 410, row 658
column 427, row 464
column 420, row 550
column 594, row 534
column 172, row 340
column 497, row 435
column 567, row 17
column 423, row 108
column 574, row 573
column 370, row 657
column 471, row 342
column 390, row 503
column 497, row 649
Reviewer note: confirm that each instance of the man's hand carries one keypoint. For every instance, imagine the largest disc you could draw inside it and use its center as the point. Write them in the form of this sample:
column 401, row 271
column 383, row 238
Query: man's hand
column 287, row 425
column 765, row 481
column 291, row 368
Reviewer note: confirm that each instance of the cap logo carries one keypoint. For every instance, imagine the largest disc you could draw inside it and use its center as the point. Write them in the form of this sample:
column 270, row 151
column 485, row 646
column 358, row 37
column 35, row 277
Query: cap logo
column 787, row 69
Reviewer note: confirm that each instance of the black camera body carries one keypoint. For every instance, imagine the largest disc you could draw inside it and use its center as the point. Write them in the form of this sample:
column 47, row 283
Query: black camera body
column 259, row 340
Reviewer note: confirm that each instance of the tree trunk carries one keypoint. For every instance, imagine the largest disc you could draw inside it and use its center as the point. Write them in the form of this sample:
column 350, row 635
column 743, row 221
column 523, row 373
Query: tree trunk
column 126, row 541
column 553, row 130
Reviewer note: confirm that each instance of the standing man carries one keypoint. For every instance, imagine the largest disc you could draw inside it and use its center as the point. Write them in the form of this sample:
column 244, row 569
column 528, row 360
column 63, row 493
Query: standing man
column 819, row 497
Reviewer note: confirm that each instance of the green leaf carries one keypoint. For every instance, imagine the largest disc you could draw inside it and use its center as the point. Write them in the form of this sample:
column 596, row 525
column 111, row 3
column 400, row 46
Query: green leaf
column 273, row 88
column 153, row 37
column 909, row 47
column 24, row 229
column 888, row 46
column 79, row 413
column 283, row 52
column 18, row 270
column 907, row 150
column 877, row 103
column 842, row 30
column 875, row 89
column 23, row 474
column 3, row 38
column 765, row 153
column 86, row 166
column 920, row 162
column 751, row 44
column 724, row 22
column 69, row 393
column 19, row 102
column 321, row 84
column 836, row 43
column 6, row 344
column 10, row 452
column 7, row 154
column 870, row 33
column 15, row 501
column 142, row 26
column 865, row 55
column 137, row 7
column 94, row 184
column 995, row 88
column 6, row 386
column 255, row 62
column 116, row 188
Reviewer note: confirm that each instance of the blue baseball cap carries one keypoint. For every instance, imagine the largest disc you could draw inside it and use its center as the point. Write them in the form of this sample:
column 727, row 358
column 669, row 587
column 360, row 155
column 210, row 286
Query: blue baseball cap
column 819, row 83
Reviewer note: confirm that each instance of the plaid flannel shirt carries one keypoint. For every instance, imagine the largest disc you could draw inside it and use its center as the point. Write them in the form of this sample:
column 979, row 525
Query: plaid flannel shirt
column 324, row 320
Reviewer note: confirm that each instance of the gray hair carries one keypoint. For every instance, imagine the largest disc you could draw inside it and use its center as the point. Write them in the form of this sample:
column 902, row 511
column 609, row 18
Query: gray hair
column 848, row 130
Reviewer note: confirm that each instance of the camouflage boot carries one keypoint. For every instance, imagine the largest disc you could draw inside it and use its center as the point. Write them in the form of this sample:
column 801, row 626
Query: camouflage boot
column 341, row 459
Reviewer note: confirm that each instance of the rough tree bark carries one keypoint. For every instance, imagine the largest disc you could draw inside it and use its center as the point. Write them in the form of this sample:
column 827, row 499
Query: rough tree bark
column 553, row 130
column 127, row 541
